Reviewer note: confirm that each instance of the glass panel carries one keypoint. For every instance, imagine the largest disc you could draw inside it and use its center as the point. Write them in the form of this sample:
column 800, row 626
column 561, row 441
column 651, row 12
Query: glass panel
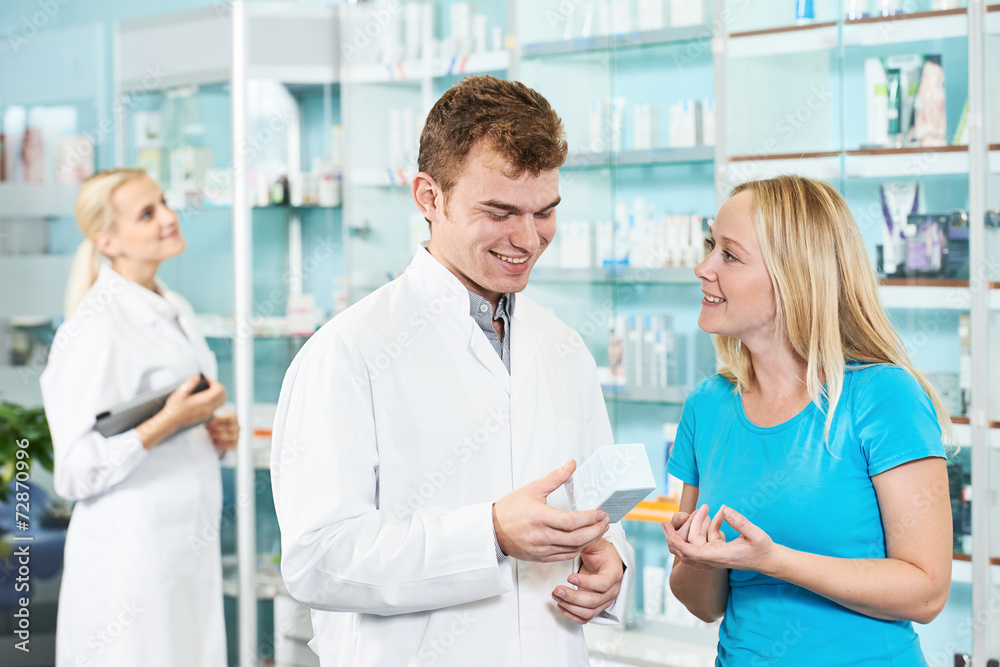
column 989, row 622
column 992, row 65
column 638, row 192
column 799, row 116
column 49, row 127
column 913, row 66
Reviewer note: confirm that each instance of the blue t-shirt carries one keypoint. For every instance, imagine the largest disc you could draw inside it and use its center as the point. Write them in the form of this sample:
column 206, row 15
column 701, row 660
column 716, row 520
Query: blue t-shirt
column 811, row 497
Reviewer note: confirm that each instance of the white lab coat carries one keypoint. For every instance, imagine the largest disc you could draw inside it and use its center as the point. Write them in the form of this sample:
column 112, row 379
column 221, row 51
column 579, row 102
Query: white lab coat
column 397, row 428
column 142, row 581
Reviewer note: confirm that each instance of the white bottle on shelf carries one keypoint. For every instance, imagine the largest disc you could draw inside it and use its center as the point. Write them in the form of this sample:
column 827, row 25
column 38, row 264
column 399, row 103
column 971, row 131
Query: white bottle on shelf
column 460, row 15
column 650, row 15
column 480, row 31
column 605, row 243
column 413, row 21
column 621, row 16
column 616, row 123
column 707, row 122
column 633, row 354
column 686, row 12
column 621, row 243
column 696, row 240
column 595, row 127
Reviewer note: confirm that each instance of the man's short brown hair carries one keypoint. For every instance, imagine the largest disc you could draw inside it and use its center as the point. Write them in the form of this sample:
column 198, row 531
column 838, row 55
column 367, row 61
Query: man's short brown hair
column 515, row 121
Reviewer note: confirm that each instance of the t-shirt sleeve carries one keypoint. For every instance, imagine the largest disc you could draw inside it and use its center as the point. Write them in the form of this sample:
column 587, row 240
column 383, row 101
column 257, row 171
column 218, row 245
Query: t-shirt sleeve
column 683, row 464
column 895, row 420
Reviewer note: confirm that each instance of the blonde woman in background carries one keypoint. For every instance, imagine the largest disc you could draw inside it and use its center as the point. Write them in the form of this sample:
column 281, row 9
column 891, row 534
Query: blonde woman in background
column 818, row 535
column 142, row 582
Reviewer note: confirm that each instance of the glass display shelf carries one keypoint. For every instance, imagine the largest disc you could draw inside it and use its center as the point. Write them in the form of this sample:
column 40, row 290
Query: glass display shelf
column 754, row 16
column 783, row 40
column 959, row 556
column 661, row 395
column 46, row 274
column 822, row 165
column 651, row 644
column 905, row 27
column 379, row 178
column 909, row 162
column 639, row 158
column 223, row 327
column 964, row 421
column 674, row 275
column 858, row 32
column 269, row 584
column 925, row 293
column 30, row 200
column 270, row 207
column 634, row 39
column 415, row 71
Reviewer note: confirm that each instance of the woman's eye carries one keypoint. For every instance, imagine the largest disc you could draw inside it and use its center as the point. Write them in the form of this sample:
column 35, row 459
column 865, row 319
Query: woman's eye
column 728, row 256
column 710, row 244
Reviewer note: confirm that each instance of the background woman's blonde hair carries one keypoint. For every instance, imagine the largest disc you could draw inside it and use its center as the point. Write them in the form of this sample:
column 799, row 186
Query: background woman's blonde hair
column 825, row 290
column 94, row 213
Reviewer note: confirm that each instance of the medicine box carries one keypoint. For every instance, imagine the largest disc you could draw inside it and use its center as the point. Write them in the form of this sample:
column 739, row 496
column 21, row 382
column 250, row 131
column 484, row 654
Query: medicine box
column 614, row 479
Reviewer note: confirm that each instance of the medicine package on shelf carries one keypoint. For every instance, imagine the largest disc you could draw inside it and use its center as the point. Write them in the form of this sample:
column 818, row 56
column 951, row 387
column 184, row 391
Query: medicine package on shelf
column 614, row 479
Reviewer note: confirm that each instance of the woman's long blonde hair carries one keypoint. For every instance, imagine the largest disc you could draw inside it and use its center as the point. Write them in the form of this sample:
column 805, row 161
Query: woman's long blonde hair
column 95, row 213
column 826, row 292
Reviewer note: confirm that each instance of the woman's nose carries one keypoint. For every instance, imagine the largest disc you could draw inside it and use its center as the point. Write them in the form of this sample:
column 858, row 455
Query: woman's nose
column 704, row 269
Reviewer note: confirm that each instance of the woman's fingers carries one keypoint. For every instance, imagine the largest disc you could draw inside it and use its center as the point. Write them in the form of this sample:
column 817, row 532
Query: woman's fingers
column 715, row 528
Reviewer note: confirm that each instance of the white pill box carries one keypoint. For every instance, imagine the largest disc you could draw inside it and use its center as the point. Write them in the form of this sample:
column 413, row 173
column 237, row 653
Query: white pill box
column 614, row 479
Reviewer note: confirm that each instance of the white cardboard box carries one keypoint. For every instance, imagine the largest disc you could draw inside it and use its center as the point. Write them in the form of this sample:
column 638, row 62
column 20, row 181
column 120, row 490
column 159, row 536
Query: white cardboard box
column 614, row 479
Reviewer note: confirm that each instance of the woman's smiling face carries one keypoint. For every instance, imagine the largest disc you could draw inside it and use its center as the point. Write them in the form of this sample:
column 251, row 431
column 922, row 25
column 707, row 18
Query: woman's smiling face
column 738, row 295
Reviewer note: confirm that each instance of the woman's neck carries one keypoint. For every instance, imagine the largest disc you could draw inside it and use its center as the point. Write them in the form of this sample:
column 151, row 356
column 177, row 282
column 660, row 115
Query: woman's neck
column 141, row 273
column 779, row 373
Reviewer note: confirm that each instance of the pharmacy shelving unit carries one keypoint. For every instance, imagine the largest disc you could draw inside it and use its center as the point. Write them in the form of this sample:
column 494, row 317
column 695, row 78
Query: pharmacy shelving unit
column 37, row 233
column 575, row 56
column 613, row 78
column 389, row 83
column 244, row 92
column 815, row 125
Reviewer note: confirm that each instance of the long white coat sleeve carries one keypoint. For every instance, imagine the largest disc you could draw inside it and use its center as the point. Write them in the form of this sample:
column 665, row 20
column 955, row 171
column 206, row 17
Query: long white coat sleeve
column 340, row 551
column 75, row 387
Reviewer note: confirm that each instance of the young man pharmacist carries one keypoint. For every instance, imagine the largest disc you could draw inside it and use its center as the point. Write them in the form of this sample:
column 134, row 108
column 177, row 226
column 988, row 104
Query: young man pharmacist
column 420, row 433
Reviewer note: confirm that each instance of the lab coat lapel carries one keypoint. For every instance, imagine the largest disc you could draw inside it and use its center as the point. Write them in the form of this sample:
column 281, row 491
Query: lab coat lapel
column 442, row 289
column 488, row 357
column 193, row 337
column 150, row 319
column 164, row 330
column 524, row 347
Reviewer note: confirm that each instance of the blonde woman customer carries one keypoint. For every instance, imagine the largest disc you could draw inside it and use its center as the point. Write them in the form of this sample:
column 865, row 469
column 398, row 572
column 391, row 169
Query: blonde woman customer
column 818, row 535
column 142, row 579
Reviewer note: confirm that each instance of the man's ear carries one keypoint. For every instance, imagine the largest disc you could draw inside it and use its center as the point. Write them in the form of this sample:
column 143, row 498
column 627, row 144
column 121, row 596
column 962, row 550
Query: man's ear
column 428, row 196
column 105, row 244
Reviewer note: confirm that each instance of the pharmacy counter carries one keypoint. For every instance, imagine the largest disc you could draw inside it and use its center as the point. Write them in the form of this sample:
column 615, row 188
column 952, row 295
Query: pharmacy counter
column 655, row 645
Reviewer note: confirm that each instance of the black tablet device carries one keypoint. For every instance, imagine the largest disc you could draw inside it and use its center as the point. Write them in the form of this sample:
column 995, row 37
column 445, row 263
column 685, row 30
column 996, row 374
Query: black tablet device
column 130, row 414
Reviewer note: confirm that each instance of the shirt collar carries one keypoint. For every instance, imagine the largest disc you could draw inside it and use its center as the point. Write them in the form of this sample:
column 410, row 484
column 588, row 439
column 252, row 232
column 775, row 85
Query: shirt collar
column 504, row 310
